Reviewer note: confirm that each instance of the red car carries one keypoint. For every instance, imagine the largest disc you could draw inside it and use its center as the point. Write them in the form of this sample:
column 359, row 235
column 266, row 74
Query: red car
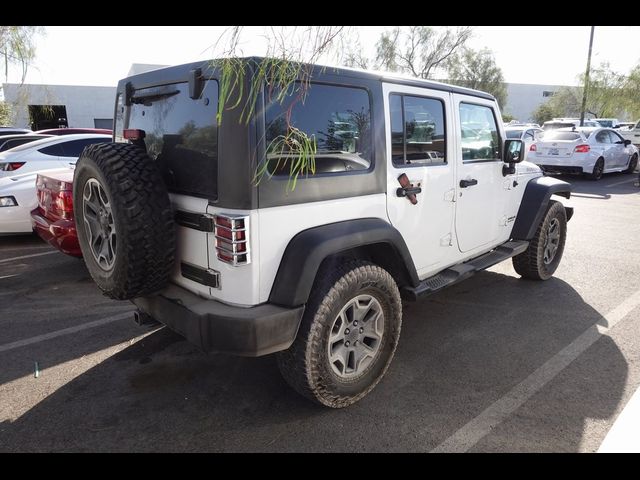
column 71, row 131
column 53, row 218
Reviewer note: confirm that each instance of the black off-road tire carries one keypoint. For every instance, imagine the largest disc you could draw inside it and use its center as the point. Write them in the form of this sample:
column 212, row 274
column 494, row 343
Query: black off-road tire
column 633, row 163
column 142, row 215
column 598, row 170
column 305, row 365
column 530, row 263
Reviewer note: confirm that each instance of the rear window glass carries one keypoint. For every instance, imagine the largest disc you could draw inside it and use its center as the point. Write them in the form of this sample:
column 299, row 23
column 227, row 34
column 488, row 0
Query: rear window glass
column 555, row 135
column 181, row 135
column 337, row 118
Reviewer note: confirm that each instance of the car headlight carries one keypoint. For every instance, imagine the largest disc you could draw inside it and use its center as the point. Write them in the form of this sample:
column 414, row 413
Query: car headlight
column 8, row 202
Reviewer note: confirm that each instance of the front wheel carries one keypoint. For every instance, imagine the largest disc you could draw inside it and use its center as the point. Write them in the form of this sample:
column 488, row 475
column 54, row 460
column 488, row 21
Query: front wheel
column 541, row 259
column 348, row 335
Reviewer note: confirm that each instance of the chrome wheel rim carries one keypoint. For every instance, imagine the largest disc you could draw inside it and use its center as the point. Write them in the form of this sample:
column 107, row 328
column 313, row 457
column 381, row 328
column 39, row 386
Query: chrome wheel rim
column 98, row 224
column 552, row 241
column 355, row 336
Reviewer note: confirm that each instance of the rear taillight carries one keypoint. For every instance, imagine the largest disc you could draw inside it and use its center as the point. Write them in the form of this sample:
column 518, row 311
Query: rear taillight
column 232, row 239
column 582, row 149
column 533, row 148
column 63, row 203
column 10, row 166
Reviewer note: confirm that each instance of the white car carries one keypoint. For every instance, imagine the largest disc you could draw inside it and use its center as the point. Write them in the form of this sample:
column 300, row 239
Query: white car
column 17, row 198
column 592, row 151
column 51, row 152
column 526, row 133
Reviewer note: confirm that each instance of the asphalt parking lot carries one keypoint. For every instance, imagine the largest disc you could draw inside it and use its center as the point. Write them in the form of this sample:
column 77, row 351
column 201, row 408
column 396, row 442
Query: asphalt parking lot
column 494, row 363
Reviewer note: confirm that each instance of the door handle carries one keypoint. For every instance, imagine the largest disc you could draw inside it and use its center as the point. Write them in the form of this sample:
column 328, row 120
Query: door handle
column 404, row 192
column 468, row 183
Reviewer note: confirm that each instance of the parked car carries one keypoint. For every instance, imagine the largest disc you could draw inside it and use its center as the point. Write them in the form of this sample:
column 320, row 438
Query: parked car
column 633, row 134
column 8, row 142
column 567, row 122
column 607, row 122
column 13, row 131
column 176, row 224
column 626, row 126
column 527, row 134
column 73, row 131
column 592, row 151
column 53, row 219
column 47, row 153
column 17, row 199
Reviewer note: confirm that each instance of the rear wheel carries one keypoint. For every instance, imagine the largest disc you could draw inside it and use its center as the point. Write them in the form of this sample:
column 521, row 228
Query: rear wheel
column 541, row 259
column 598, row 170
column 633, row 163
column 348, row 335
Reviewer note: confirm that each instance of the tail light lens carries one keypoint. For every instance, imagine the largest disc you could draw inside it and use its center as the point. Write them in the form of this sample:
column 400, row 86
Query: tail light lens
column 55, row 197
column 232, row 239
column 533, row 148
column 63, row 203
column 10, row 166
column 582, row 149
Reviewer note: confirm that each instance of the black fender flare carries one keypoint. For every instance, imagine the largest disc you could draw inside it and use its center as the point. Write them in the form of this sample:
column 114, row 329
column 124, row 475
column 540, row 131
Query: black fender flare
column 307, row 250
column 535, row 202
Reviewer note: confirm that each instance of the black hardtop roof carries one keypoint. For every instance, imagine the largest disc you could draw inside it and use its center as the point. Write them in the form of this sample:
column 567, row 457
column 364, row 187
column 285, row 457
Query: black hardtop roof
column 179, row 73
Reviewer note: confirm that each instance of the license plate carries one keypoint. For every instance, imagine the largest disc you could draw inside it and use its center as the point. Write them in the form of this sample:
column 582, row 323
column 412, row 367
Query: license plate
column 554, row 151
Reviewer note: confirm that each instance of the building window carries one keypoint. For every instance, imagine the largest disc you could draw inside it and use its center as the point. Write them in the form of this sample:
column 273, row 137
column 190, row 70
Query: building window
column 548, row 93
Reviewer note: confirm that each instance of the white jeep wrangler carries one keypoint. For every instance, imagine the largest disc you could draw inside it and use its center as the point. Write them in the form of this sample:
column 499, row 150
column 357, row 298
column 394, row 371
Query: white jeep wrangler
column 415, row 188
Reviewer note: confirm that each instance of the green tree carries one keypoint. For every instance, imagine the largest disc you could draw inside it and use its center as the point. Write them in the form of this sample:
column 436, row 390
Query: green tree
column 543, row 113
column 478, row 69
column 419, row 51
column 606, row 96
column 17, row 47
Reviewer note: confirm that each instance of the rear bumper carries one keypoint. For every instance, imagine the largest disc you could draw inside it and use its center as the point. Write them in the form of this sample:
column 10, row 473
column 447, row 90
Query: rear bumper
column 217, row 327
column 61, row 233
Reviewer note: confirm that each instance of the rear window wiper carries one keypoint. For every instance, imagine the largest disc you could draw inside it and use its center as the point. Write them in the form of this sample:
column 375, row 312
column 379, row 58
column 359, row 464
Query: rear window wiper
column 149, row 98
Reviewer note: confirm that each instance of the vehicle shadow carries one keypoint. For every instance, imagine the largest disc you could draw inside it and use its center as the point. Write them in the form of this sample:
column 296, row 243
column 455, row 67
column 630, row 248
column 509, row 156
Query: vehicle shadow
column 460, row 351
column 610, row 184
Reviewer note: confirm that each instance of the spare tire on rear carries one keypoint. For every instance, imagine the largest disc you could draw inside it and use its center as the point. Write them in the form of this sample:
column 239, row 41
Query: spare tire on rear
column 124, row 220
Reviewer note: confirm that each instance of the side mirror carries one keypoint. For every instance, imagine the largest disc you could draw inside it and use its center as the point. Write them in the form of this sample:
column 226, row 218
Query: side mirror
column 627, row 143
column 513, row 153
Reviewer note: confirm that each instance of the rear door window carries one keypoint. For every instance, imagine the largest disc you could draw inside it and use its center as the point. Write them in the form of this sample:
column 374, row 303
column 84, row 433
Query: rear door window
column 181, row 135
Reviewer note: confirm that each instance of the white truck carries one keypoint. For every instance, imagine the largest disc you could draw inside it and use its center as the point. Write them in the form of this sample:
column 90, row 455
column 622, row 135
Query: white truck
column 632, row 134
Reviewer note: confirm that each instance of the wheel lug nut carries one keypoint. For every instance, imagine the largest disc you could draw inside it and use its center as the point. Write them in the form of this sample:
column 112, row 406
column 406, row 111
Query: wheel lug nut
column 346, row 331
column 355, row 323
column 355, row 344
column 347, row 343
column 361, row 329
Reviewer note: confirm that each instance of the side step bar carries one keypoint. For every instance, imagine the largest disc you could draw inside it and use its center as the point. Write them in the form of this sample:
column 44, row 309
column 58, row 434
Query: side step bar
column 464, row 270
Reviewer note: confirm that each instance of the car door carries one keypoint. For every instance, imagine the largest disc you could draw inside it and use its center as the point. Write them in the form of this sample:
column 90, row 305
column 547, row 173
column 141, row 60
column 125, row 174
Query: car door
column 619, row 151
column 605, row 148
column 420, row 151
column 482, row 190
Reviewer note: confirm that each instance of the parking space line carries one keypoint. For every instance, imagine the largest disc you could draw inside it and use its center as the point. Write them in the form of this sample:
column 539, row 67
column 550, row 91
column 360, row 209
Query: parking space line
column 27, row 256
column 471, row 433
column 64, row 331
column 628, row 180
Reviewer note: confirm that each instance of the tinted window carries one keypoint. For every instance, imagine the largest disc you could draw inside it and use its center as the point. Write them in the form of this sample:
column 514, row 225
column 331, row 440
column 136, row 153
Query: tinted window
column 14, row 142
column 74, row 148
column 181, row 134
column 603, row 137
column 480, row 139
column 615, row 137
column 338, row 119
column 417, row 131
column 53, row 150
